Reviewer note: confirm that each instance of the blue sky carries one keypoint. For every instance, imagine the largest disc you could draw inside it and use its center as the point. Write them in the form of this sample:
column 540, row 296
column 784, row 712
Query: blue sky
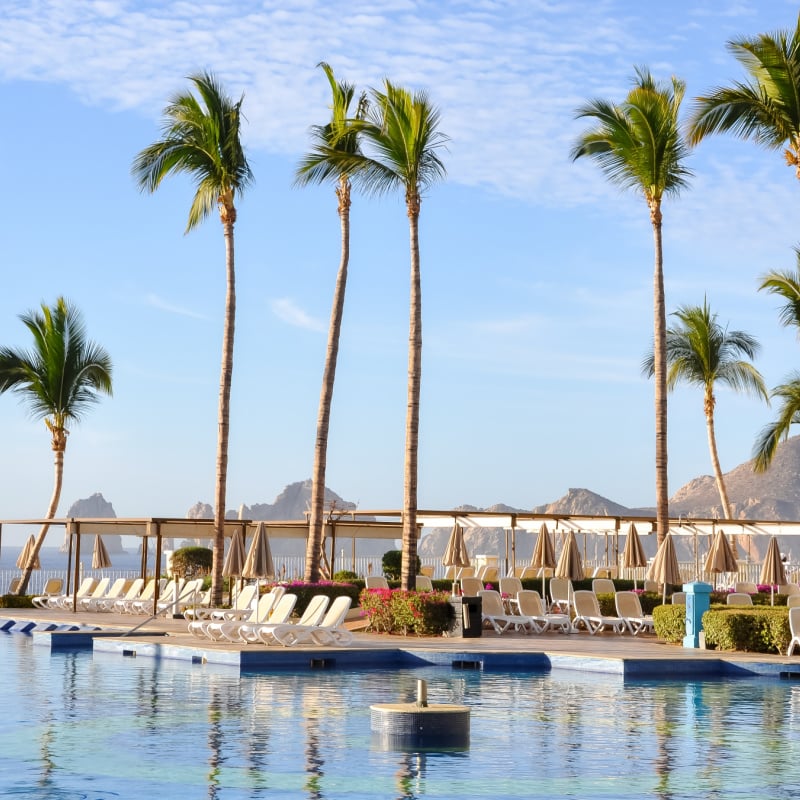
column 537, row 275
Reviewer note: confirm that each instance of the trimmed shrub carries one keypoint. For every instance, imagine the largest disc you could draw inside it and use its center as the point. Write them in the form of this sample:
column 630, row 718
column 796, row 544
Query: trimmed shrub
column 191, row 562
column 670, row 622
column 392, row 564
column 345, row 576
column 752, row 630
column 402, row 612
column 26, row 601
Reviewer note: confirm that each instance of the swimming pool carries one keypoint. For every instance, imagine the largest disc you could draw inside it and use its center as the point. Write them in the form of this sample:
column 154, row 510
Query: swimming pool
column 77, row 725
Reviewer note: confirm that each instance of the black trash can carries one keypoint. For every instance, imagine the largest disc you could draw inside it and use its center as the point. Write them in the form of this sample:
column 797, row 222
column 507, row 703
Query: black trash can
column 467, row 617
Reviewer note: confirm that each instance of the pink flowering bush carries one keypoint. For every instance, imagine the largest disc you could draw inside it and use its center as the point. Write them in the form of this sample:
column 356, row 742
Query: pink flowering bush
column 403, row 612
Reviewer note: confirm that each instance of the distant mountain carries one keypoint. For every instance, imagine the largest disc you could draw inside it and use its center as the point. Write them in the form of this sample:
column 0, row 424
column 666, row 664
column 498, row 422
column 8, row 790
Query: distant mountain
column 582, row 501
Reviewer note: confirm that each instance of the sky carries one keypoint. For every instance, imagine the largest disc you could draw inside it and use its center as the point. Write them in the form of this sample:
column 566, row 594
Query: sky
column 536, row 273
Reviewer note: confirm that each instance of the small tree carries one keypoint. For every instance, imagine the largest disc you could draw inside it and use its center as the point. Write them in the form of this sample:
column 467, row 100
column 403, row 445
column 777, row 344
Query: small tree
column 191, row 562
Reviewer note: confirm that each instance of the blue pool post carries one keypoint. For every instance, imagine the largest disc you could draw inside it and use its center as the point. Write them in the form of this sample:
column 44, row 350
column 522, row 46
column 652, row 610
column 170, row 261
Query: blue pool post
column 698, row 601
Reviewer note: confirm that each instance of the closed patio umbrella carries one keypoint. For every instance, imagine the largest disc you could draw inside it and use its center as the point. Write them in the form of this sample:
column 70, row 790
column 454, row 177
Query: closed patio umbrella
column 544, row 554
column 100, row 557
column 455, row 554
column 664, row 568
column 633, row 555
column 570, row 564
column 258, row 563
column 234, row 559
column 720, row 556
column 772, row 570
column 25, row 554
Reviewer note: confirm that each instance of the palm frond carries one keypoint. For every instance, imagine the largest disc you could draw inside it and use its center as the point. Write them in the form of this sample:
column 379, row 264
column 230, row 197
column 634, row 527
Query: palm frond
column 771, row 435
column 785, row 284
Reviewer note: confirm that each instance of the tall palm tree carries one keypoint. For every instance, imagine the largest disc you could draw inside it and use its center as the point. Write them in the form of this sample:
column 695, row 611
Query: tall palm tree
column 59, row 378
column 701, row 352
column 765, row 108
column 639, row 145
column 201, row 138
column 401, row 128
column 320, row 165
column 784, row 284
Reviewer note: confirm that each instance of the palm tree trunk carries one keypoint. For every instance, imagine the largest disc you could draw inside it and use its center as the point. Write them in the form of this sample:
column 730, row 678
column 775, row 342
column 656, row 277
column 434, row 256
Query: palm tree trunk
column 712, row 447
column 409, row 562
column 660, row 373
column 224, row 414
column 58, row 477
column 316, row 518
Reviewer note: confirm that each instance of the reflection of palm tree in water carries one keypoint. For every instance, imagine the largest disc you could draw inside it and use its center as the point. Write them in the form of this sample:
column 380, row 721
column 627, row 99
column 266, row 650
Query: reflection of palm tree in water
column 666, row 702
column 215, row 736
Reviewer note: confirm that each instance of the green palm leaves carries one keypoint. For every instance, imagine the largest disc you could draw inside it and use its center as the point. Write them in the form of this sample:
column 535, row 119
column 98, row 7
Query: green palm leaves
column 201, row 137
column 638, row 143
column 63, row 373
column 766, row 108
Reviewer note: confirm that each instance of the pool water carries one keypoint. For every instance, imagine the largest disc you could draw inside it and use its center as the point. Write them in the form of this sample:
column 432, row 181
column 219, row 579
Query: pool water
column 77, row 725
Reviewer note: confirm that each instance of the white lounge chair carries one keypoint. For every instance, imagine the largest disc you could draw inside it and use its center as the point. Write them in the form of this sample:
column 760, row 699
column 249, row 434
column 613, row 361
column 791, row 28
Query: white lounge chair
column 629, row 609
column 739, row 599
column 794, row 627
column 53, row 588
column 376, row 582
column 127, row 605
column 530, row 606
column 509, row 587
column 183, row 597
column 115, row 591
column 146, row 604
column 212, row 628
column 233, row 630
column 132, row 592
column 331, row 631
column 423, row 583
column 471, row 586
column 241, row 608
column 488, row 574
column 678, row 598
column 86, row 589
column 313, row 615
column 603, row 586
column 748, row 587
column 587, row 612
column 793, row 601
column 561, row 594
column 492, row 611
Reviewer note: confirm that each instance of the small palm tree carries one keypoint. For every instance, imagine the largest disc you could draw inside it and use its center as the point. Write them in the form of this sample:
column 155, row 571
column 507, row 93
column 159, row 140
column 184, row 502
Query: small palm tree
column 59, row 378
column 638, row 144
column 201, row 138
column 701, row 352
column 401, row 128
column 784, row 284
column 766, row 108
column 321, row 165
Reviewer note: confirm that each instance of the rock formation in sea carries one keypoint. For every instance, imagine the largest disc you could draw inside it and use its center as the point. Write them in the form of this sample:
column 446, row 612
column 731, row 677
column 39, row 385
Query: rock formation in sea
column 96, row 507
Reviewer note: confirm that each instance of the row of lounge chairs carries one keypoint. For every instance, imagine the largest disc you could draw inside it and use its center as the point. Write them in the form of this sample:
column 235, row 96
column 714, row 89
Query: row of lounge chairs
column 527, row 613
column 267, row 621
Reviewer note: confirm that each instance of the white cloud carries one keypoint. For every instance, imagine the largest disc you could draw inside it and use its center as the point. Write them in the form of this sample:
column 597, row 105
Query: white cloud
column 163, row 305
column 287, row 311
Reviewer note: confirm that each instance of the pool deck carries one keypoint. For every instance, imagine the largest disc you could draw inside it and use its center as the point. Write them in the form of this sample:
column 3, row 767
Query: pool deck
column 641, row 657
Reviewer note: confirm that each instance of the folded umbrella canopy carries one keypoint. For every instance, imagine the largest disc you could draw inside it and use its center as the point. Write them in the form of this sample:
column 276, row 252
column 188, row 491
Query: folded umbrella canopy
column 455, row 554
column 570, row 564
column 100, row 557
column 258, row 563
column 720, row 556
column 664, row 568
column 233, row 565
column 544, row 554
column 24, row 556
column 633, row 555
column 772, row 570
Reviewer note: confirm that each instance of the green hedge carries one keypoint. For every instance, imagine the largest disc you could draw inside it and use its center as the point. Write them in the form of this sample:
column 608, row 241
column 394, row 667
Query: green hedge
column 752, row 630
column 670, row 622
column 19, row 601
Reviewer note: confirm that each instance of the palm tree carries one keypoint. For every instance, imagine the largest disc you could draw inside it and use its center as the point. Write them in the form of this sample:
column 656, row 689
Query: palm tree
column 402, row 129
column 785, row 284
column 320, row 165
column 201, row 138
column 59, row 378
column 766, row 108
column 638, row 144
column 701, row 352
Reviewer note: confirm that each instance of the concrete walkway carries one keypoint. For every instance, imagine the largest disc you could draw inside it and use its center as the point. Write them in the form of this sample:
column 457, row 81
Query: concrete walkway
column 627, row 656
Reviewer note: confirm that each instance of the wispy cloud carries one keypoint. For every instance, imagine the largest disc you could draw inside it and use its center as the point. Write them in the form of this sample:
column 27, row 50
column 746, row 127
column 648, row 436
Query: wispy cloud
column 155, row 301
column 289, row 312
